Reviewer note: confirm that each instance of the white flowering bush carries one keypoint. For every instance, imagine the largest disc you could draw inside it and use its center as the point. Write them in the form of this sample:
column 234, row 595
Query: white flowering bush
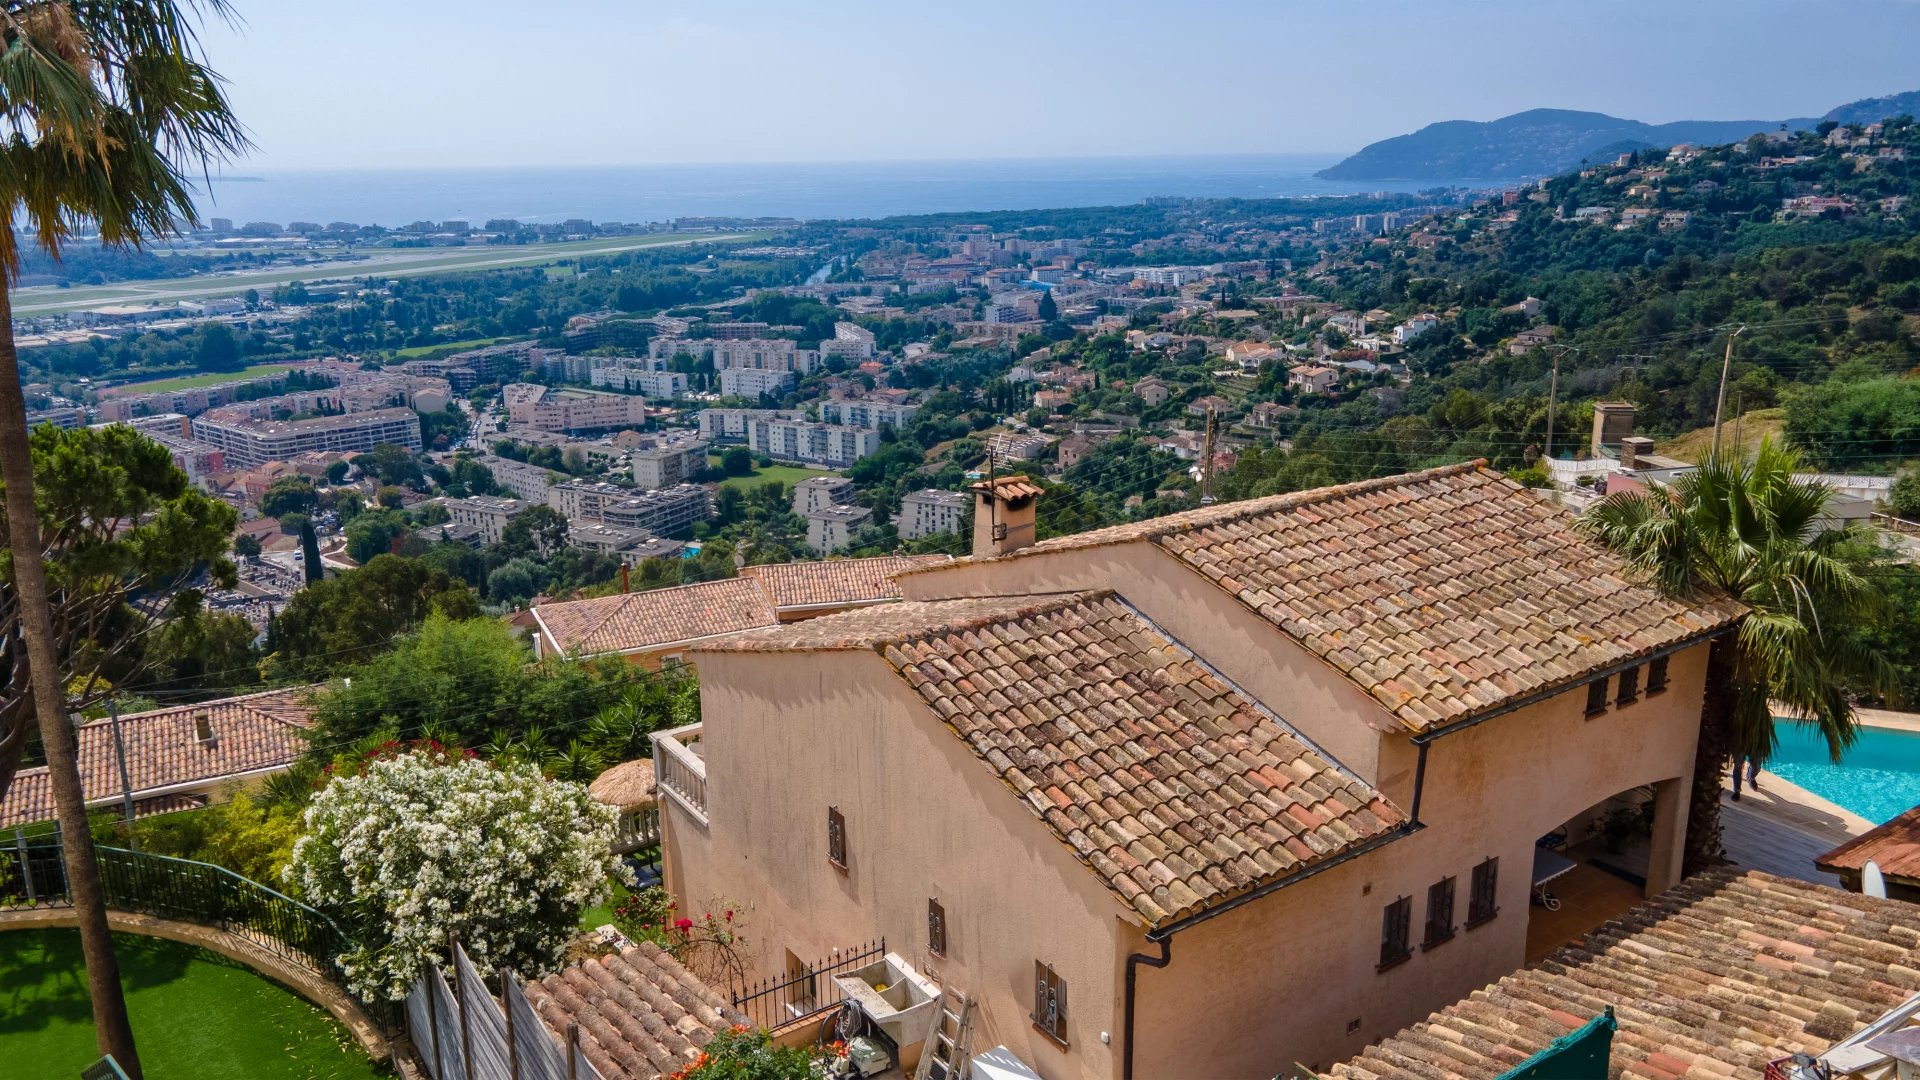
column 423, row 845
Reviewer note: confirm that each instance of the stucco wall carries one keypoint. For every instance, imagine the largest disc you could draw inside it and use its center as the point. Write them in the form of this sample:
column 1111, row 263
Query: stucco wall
column 788, row 734
column 1278, row 980
column 1244, row 647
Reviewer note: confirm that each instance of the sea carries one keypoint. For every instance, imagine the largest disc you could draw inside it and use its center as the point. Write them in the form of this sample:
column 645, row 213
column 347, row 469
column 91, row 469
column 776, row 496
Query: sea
column 814, row 191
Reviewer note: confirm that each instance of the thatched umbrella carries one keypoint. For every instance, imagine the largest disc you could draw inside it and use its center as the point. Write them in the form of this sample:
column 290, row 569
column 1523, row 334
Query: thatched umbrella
column 627, row 786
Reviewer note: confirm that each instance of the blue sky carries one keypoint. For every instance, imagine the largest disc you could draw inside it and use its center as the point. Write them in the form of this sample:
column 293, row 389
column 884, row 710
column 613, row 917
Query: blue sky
column 358, row 83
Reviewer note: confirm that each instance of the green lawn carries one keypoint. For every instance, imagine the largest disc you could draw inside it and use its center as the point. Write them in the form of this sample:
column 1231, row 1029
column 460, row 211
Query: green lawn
column 195, row 1014
column 422, row 350
column 602, row 915
column 209, row 378
column 786, row 474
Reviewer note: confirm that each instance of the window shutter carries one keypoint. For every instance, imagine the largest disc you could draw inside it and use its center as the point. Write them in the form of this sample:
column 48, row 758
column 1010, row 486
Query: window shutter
column 1597, row 697
column 836, row 838
column 1657, row 674
column 936, row 928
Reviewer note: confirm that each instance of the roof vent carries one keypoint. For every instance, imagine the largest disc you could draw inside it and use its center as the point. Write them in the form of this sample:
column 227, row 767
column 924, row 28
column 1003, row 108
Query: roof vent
column 203, row 730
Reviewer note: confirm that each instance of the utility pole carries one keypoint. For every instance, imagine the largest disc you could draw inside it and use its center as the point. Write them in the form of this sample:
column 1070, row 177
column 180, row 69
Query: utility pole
column 120, row 753
column 1206, row 463
column 1720, row 401
column 1553, row 393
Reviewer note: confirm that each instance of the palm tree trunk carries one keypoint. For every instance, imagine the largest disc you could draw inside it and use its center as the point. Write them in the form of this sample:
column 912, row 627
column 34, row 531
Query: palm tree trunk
column 1704, row 849
column 112, row 1030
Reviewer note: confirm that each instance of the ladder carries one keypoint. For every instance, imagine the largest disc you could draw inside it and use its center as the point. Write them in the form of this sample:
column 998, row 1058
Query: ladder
column 944, row 1057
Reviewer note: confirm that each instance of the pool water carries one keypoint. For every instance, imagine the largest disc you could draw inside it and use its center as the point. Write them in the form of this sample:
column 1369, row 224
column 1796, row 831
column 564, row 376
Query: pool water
column 1879, row 778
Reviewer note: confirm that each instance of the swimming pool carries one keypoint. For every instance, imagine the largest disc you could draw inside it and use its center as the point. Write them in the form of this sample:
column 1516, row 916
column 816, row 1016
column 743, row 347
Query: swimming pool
column 1878, row 779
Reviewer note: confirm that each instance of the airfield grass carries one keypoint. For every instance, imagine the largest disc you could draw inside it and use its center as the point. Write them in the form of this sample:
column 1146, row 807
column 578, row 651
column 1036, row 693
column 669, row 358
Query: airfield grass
column 208, row 378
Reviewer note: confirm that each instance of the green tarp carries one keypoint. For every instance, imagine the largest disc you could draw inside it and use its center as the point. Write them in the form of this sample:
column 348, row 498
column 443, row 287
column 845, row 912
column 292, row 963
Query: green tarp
column 1582, row 1055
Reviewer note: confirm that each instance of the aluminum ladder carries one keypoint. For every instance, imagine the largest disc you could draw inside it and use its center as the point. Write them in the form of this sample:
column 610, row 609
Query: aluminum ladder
column 944, row 1057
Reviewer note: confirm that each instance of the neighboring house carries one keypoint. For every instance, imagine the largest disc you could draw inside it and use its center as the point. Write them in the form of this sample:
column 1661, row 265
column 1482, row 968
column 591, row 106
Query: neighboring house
column 1526, row 341
column 803, row 590
column 1152, row 392
column 1414, row 327
column 1239, row 744
column 1314, row 379
column 1724, row 976
column 177, row 758
column 1893, row 847
column 1212, row 403
column 1267, row 413
column 639, row 1013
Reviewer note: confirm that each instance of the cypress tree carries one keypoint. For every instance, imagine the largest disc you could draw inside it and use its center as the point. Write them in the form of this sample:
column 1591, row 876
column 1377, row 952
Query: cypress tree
column 310, row 548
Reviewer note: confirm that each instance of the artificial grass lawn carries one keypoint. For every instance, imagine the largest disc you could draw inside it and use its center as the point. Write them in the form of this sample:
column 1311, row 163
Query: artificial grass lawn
column 786, row 474
column 195, row 1015
column 188, row 382
column 600, row 916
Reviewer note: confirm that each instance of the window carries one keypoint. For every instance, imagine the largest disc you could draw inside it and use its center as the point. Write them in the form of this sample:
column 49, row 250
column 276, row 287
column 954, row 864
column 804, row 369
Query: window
column 1439, row 913
column 1050, row 1002
column 1629, row 687
column 836, row 838
column 1396, row 922
column 936, row 928
column 1656, row 675
column 1597, row 697
column 1481, row 902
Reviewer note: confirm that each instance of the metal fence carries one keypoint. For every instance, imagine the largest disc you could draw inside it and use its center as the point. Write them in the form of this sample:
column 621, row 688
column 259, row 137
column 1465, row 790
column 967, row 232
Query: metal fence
column 474, row 1036
column 34, row 875
column 805, row 992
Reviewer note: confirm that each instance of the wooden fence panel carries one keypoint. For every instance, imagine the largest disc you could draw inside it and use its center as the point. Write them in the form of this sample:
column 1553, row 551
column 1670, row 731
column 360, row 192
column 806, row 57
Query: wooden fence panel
column 420, row 1024
column 539, row 1056
column 451, row 1062
column 486, row 1024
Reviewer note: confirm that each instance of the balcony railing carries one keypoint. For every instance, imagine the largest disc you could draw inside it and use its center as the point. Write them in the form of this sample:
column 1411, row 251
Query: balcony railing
column 679, row 771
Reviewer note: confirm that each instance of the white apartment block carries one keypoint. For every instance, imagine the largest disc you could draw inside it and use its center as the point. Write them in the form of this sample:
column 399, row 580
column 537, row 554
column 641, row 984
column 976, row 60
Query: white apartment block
column 246, row 443
column 831, row 528
column 771, row 354
column 867, row 413
column 488, row 514
column 930, row 511
column 547, row 409
column 528, row 483
column 717, row 424
column 753, row 382
column 819, row 492
column 668, row 510
column 643, row 381
column 662, row 461
column 816, row 444
column 854, row 332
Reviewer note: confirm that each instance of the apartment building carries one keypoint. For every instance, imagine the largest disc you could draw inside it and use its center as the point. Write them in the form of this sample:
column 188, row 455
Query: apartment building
column 570, row 411
column 666, row 512
column 664, row 461
column 635, row 379
column 810, row 443
column 487, row 514
column 930, row 511
column 831, row 528
column 246, row 443
column 819, row 492
column 867, row 412
column 630, row 546
column 768, row 354
column 528, row 483
column 732, row 424
column 753, row 382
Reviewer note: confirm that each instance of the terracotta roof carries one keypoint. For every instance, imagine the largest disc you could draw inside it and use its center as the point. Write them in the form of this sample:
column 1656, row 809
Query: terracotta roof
column 641, row 1014
column 829, row 582
column 1175, row 789
column 1894, row 846
column 1442, row 593
column 636, row 621
column 1714, row 978
column 250, row 732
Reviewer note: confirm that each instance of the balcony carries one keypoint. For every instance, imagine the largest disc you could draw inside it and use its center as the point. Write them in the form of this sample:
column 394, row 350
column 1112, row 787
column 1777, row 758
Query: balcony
column 679, row 769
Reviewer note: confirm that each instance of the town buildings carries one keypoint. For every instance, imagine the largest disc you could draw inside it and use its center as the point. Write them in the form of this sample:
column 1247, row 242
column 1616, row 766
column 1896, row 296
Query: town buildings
column 661, row 461
column 831, row 528
column 867, row 412
column 719, row 425
column 664, row 512
column 634, row 377
column 819, row 492
column 528, row 483
column 1302, row 719
column 573, row 412
column 487, row 515
column 811, row 443
column 765, row 354
column 755, row 382
column 1314, row 379
column 247, row 442
column 930, row 511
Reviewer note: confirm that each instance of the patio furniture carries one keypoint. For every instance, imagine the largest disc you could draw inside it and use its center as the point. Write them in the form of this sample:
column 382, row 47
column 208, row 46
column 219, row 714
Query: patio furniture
column 1548, row 865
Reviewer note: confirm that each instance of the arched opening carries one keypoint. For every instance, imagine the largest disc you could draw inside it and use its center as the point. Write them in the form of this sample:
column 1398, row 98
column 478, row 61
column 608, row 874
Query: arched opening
column 1596, row 865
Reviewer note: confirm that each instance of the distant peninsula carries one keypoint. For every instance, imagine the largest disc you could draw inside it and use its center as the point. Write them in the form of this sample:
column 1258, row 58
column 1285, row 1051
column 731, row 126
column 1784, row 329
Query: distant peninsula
column 1544, row 142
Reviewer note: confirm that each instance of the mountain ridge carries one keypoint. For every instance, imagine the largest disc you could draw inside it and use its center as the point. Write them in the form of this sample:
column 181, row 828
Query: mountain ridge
column 1545, row 142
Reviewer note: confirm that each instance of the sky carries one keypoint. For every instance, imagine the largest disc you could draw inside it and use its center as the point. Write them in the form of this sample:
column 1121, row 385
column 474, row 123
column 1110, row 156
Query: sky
column 413, row 83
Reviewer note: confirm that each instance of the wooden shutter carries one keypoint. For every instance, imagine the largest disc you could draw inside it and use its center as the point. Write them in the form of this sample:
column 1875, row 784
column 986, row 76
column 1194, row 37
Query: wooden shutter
column 1395, row 927
column 1629, row 687
column 836, row 838
column 1483, row 904
column 936, row 928
column 1439, row 912
column 1656, row 674
column 1597, row 697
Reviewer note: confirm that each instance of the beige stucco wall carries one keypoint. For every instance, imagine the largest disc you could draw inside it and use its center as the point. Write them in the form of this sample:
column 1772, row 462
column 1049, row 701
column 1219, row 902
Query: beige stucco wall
column 1319, row 702
column 788, row 734
column 1279, row 980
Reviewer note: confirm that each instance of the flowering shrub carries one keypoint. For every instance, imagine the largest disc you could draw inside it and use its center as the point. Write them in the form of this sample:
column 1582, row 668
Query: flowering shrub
column 741, row 1053
column 415, row 847
column 711, row 946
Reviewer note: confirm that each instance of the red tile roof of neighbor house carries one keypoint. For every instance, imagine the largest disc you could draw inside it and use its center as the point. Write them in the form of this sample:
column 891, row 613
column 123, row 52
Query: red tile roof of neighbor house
column 250, row 733
column 1714, row 978
column 830, row 582
column 1894, row 847
column 1175, row 789
column 1443, row 594
column 641, row 1014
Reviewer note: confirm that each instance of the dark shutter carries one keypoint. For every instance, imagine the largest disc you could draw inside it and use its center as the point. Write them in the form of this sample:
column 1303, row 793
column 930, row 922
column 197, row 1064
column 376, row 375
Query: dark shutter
column 1656, row 674
column 936, row 928
column 1049, row 1002
column 1439, row 912
column 1396, row 924
column 1629, row 687
column 836, row 838
column 1483, row 904
column 1597, row 697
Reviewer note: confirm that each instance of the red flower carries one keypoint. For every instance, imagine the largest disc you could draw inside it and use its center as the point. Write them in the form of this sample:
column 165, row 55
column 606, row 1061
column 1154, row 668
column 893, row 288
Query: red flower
column 729, row 915
column 683, row 924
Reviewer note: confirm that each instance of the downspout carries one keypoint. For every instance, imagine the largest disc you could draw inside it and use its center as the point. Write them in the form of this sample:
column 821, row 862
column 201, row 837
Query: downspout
column 1133, row 973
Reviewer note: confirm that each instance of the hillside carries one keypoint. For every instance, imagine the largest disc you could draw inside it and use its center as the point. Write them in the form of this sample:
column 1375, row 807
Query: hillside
column 1542, row 142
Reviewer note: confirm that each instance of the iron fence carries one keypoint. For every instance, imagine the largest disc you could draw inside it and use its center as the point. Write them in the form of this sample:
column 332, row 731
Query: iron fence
column 804, row 992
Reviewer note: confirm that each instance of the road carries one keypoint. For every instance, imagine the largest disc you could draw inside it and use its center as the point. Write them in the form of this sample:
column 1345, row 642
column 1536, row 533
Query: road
column 49, row 299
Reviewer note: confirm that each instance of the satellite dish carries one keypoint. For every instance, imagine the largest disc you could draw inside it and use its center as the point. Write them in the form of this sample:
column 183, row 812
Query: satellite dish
column 1872, row 883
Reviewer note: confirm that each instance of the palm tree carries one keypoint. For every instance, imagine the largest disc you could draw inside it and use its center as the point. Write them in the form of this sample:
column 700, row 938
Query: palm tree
column 107, row 108
column 1745, row 528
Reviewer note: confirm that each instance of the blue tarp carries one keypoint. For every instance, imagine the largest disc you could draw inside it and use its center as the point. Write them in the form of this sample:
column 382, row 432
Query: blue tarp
column 1582, row 1055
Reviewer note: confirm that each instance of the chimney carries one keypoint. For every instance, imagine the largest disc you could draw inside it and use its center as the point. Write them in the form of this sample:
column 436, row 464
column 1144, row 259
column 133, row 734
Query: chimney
column 1003, row 515
column 1632, row 448
column 203, row 730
